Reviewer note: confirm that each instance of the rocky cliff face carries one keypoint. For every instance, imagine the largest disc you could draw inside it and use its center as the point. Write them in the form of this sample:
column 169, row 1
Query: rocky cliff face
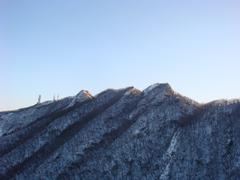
column 122, row 134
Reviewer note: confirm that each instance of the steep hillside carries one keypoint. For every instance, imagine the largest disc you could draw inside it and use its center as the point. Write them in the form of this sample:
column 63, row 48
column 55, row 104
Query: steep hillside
column 122, row 134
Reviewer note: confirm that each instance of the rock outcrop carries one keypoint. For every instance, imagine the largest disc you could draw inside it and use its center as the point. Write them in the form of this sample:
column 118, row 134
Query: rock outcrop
column 122, row 134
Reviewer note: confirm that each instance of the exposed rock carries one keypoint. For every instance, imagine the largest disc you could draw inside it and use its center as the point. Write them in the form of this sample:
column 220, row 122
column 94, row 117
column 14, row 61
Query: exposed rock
column 80, row 97
column 122, row 134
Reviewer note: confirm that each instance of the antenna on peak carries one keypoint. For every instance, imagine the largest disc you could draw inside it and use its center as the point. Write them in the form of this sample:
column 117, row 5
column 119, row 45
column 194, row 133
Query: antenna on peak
column 39, row 99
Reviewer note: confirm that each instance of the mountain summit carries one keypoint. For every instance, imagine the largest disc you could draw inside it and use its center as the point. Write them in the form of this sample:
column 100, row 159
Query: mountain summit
column 122, row 134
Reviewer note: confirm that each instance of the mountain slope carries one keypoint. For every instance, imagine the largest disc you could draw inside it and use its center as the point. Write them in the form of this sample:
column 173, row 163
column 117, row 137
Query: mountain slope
column 122, row 134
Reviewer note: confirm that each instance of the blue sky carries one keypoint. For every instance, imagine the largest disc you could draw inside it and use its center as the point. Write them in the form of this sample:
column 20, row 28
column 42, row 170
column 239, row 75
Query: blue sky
column 60, row 47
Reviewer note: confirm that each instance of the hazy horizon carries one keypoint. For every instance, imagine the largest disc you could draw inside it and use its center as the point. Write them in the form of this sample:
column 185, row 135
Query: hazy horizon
column 61, row 47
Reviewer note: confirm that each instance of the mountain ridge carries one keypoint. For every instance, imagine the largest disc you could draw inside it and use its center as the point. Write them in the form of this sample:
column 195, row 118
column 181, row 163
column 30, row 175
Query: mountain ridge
column 122, row 134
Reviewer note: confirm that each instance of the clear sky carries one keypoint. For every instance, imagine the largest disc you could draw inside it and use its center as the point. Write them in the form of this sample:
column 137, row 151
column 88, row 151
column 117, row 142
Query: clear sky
column 62, row 46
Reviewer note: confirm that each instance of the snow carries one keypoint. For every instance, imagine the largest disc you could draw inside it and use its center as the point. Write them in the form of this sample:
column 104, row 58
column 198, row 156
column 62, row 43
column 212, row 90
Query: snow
column 165, row 87
column 44, row 103
column 225, row 102
column 150, row 88
column 132, row 91
column 80, row 97
column 128, row 93
column 172, row 148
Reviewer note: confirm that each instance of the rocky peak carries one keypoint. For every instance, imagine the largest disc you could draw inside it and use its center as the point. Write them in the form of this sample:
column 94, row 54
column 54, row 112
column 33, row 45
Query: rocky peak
column 160, row 89
column 156, row 93
column 83, row 96
column 132, row 91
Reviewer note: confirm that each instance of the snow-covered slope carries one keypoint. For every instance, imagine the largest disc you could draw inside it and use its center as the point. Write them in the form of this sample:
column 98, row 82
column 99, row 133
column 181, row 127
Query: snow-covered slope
column 122, row 134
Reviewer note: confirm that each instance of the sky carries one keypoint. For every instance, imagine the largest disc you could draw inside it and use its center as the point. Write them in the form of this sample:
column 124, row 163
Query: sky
column 60, row 47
